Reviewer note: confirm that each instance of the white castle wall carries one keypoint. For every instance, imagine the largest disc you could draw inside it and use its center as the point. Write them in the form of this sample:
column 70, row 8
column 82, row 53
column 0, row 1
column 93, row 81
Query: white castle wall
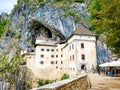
column 65, row 58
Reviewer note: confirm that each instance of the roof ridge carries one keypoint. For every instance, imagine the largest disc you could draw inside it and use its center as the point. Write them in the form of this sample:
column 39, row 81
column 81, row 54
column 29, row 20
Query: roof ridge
column 82, row 30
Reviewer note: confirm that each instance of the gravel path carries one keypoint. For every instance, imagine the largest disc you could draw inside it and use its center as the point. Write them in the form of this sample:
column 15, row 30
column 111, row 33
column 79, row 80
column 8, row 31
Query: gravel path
column 103, row 82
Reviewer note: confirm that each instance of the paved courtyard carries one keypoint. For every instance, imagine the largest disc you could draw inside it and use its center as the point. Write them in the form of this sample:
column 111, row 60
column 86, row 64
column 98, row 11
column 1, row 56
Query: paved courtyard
column 103, row 82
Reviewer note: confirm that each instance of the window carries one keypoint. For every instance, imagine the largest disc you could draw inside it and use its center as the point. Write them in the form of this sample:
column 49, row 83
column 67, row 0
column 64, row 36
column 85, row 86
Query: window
column 61, row 62
column 70, row 58
column 82, row 45
column 42, row 49
column 52, row 62
column 41, row 62
column 52, row 56
column 56, row 66
column 52, row 50
column 42, row 56
column 56, row 62
column 72, row 46
column 83, row 57
column 73, row 57
column 56, row 56
column 48, row 50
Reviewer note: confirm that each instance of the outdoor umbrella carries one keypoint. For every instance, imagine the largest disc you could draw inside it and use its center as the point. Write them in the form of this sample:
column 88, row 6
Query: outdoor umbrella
column 114, row 63
column 104, row 64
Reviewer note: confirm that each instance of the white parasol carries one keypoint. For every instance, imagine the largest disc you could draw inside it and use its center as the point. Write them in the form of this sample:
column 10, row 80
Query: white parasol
column 111, row 64
column 104, row 64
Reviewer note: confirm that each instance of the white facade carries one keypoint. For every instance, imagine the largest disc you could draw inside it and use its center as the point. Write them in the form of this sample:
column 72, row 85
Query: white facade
column 51, row 60
column 81, row 51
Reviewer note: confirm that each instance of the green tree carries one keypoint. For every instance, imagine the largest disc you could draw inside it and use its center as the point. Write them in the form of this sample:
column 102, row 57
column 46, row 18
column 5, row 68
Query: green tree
column 105, row 20
column 9, row 67
column 14, row 72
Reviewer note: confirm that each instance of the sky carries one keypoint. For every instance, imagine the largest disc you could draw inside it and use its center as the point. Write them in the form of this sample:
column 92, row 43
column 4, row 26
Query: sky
column 7, row 5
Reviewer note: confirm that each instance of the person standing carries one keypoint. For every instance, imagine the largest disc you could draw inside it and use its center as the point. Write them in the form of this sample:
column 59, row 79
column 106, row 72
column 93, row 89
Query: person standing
column 98, row 71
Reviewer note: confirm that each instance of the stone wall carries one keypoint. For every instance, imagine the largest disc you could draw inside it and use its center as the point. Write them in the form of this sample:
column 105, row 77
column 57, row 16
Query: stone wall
column 76, row 83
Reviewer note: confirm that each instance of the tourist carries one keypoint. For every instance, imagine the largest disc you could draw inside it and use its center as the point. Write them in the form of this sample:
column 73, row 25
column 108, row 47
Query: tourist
column 98, row 71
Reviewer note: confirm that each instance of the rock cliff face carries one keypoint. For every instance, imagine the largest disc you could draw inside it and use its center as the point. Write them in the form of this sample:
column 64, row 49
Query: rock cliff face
column 103, row 53
column 46, row 21
column 3, row 16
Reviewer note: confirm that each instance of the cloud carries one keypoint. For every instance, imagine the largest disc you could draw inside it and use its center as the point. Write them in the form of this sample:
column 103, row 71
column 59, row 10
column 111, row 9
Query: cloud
column 7, row 5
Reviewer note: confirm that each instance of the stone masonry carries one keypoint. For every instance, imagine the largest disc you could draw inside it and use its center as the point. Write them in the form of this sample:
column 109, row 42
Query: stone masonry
column 76, row 83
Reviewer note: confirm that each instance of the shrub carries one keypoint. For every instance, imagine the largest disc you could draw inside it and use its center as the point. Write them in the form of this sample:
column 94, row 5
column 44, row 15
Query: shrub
column 3, row 23
column 79, row 1
column 72, row 12
column 18, row 36
column 65, row 76
column 47, row 82
column 40, row 83
column 41, row 2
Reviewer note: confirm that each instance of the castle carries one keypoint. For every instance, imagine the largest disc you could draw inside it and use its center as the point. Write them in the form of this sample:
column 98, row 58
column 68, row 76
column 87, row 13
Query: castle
column 52, row 59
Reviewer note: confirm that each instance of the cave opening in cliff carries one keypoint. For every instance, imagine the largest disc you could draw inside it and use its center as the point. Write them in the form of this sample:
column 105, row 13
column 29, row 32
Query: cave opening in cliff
column 48, row 33
column 39, row 30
